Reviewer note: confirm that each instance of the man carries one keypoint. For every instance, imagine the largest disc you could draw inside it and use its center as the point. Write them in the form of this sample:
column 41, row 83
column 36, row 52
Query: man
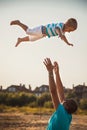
column 61, row 118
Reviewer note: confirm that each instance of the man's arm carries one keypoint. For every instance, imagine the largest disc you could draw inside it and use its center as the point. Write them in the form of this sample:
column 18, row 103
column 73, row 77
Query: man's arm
column 52, row 85
column 59, row 85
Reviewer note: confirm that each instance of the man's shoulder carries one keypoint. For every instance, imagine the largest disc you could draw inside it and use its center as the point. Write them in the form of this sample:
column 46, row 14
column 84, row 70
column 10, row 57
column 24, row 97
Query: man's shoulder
column 60, row 106
column 61, row 111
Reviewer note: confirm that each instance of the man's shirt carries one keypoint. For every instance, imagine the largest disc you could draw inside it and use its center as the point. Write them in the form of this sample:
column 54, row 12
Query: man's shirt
column 60, row 120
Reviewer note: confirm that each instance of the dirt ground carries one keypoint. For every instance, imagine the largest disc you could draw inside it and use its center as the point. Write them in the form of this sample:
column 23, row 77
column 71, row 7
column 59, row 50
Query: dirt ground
column 20, row 121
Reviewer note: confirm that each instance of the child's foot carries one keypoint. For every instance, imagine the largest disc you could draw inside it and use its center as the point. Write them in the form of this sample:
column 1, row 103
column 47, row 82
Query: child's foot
column 15, row 22
column 18, row 42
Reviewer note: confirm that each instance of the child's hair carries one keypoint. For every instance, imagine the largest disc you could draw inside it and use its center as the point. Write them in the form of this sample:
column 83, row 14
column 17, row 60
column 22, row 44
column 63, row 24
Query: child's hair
column 72, row 22
column 70, row 105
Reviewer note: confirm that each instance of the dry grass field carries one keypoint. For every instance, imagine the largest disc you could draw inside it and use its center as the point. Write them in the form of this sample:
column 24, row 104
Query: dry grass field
column 21, row 121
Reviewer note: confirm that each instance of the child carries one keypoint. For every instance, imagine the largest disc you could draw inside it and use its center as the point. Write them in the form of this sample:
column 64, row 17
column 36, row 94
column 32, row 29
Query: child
column 54, row 29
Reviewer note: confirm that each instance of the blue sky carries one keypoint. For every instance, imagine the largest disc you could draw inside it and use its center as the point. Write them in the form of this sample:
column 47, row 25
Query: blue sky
column 24, row 64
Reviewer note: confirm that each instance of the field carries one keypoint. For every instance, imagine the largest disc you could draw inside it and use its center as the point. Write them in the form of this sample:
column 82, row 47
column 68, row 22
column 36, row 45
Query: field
column 26, row 121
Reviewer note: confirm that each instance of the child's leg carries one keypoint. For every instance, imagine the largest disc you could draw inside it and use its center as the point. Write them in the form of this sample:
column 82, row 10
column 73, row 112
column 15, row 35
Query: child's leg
column 17, row 22
column 29, row 38
column 22, row 40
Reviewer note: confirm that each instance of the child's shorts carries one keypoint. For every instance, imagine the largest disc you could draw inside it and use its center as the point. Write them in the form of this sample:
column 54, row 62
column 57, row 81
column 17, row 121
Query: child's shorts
column 35, row 33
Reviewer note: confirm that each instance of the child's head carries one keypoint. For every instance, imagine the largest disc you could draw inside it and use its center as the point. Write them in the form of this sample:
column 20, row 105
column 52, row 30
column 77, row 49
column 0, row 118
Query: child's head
column 70, row 25
column 70, row 106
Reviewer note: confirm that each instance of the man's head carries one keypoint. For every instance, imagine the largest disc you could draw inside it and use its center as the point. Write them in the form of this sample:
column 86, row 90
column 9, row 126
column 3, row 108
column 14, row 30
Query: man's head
column 70, row 105
column 70, row 25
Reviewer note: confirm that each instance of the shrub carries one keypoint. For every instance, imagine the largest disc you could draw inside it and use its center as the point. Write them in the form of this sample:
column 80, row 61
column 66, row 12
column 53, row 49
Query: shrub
column 83, row 104
column 48, row 104
column 33, row 104
column 43, row 98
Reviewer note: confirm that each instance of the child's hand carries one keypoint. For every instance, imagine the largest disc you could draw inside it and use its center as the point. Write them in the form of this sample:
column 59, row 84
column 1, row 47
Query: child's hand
column 65, row 39
column 70, row 44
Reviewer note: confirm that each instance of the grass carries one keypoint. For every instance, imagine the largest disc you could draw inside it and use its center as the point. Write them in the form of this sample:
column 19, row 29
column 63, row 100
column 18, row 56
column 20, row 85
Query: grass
column 81, row 112
column 29, row 110
column 26, row 110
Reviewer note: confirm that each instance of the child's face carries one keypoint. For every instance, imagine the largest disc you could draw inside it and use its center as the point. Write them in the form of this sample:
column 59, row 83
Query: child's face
column 69, row 29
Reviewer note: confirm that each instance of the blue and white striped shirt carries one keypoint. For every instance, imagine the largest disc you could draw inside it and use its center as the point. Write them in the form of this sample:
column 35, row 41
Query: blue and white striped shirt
column 50, row 29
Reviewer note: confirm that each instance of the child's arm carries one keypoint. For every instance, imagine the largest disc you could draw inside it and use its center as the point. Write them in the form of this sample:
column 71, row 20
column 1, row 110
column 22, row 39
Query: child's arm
column 62, row 36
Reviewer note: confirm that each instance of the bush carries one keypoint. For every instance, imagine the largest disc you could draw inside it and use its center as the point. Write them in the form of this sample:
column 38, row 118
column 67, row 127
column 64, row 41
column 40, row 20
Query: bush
column 83, row 104
column 3, row 97
column 2, row 108
column 48, row 104
column 33, row 104
column 17, row 99
column 43, row 98
column 71, row 95
column 24, row 99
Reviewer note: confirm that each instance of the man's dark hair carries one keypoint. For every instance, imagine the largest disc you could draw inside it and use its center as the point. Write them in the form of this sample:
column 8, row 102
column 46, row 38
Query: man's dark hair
column 70, row 105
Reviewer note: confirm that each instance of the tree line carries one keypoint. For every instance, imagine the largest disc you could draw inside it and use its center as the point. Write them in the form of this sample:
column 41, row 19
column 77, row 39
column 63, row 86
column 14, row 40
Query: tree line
column 31, row 100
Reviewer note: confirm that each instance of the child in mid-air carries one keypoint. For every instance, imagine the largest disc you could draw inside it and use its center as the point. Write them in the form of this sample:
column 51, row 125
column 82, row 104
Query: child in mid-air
column 53, row 29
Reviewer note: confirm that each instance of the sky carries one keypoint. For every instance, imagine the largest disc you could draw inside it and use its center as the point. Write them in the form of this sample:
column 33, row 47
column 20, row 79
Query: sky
column 24, row 64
